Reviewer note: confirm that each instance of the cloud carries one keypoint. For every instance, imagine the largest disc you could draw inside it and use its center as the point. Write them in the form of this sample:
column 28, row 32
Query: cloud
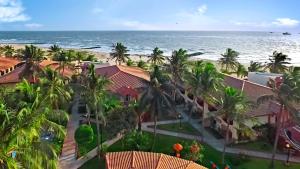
column 252, row 24
column 12, row 11
column 286, row 22
column 136, row 25
column 202, row 9
column 97, row 10
column 33, row 25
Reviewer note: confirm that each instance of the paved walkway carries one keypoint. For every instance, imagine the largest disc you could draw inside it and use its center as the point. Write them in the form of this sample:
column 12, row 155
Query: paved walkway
column 68, row 155
column 211, row 140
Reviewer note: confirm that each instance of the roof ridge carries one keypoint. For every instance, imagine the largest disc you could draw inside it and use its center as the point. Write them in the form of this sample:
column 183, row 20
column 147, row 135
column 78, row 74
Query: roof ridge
column 159, row 160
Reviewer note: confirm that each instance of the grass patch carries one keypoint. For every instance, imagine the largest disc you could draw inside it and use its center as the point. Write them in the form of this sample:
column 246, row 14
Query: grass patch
column 83, row 149
column 164, row 145
column 175, row 127
column 258, row 145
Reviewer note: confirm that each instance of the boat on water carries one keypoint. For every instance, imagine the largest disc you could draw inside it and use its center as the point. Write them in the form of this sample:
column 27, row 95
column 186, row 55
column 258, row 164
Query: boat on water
column 286, row 33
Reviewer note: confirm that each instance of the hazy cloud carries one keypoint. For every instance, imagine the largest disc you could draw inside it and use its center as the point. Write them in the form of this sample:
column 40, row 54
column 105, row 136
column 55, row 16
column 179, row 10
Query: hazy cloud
column 33, row 25
column 12, row 11
column 287, row 22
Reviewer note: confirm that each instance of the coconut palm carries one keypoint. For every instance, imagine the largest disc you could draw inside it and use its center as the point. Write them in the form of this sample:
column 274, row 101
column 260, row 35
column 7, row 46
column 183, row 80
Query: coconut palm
column 229, row 60
column 286, row 94
column 130, row 62
column 278, row 62
column 79, row 56
column 203, row 81
column 233, row 107
column 119, row 53
column 156, row 101
column 64, row 58
column 8, row 51
column 255, row 67
column 141, row 64
column 177, row 67
column 156, row 57
column 96, row 92
column 32, row 56
column 241, row 71
column 54, row 50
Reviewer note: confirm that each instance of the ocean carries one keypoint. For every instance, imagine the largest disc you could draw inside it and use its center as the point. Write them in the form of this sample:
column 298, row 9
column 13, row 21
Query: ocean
column 256, row 46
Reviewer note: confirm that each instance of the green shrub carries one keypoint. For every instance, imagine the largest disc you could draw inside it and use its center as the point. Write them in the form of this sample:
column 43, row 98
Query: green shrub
column 137, row 141
column 84, row 134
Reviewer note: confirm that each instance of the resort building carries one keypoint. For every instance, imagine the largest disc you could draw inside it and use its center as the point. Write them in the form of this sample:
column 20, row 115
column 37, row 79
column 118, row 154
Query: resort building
column 126, row 82
column 8, row 64
column 147, row 160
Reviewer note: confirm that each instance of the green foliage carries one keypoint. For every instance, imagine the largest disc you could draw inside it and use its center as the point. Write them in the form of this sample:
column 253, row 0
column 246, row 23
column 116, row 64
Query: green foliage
column 229, row 60
column 255, row 67
column 137, row 141
column 196, row 156
column 278, row 62
column 130, row 62
column 142, row 64
column 156, row 58
column 119, row 53
column 84, row 134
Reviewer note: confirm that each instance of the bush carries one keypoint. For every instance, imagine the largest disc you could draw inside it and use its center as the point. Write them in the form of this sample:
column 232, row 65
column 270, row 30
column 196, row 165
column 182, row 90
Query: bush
column 84, row 134
column 137, row 141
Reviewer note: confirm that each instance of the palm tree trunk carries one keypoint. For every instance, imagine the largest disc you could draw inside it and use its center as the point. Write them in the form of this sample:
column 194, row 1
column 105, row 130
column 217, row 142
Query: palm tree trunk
column 140, row 124
column 278, row 128
column 154, row 133
column 225, row 142
column 203, row 118
column 98, row 133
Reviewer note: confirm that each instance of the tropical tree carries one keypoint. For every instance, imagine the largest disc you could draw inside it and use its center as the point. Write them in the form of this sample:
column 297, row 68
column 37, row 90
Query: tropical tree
column 8, row 51
column 156, row 101
column 255, row 67
column 32, row 56
column 177, row 67
column 119, row 53
column 203, row 81
column 229, row 60
column 233, row 107
column 130, row 62
column 278, row 62
column 287, row 94
column 64, row 58
column 241, row 71
column 141, row 64
column 95, row 94
column 54, row 50
column 156, row 58
column 79, row 56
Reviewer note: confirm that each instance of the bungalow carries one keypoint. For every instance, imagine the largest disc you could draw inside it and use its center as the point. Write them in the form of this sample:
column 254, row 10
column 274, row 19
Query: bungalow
column 126, row 82
column 8, row 64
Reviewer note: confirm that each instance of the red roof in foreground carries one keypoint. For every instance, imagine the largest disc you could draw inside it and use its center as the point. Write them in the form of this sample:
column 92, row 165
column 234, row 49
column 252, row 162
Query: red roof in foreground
column 124, row 76
column 14, row 76
column 253, row 91
column 6, row 63
column 147, row 160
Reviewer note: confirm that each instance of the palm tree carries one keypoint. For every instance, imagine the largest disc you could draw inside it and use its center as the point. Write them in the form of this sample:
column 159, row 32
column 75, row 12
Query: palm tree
column 233, row 108
column 8, row 51
column 19, row 53
column 32, row 56
column 156, row 57
column 241, row 71
column 119, row 53
column 54, row 50
column 177, row 67
column 229, row 60
column 130, row 62
column 64, row 58
column 141, row 64
column 79, row 56
column 203, row 81
column 278, row 62
column 255, row 67
column 156, row 101
column 286, row 94
column 96, row 93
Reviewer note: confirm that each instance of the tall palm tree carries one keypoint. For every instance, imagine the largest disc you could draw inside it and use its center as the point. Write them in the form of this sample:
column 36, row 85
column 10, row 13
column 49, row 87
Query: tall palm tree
column 119, row 53
column 156, row 101
column 177, row 67
column 54, row 50
column 64, row 58
column 286, row 94
column 233, row 107
column 96, row 93
column 203, row 81
column 278, row 62
column 156, row 57
column 229, row 60
column 79, row 56
column 32, row 56
column 255, row 67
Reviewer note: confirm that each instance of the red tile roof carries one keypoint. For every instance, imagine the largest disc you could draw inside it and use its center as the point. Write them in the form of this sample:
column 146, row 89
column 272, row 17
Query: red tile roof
column 14, row 76
column 6, row 63
column 124, row 76
column 147, row 160
column 253, row 91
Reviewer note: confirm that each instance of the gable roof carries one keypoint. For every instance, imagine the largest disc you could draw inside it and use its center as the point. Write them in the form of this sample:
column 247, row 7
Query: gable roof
column 124, row 76
column 147, row 160
column 6, row 63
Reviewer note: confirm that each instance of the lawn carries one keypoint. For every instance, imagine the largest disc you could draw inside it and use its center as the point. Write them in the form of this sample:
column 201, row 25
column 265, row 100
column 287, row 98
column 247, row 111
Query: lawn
column 210, row 154
column 175, row 127
column 83, row 149
column 258, row 145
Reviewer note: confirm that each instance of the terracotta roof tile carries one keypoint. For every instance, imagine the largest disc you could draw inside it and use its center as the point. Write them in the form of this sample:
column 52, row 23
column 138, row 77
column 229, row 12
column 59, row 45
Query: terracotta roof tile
column 6, row 63
column 147, row 160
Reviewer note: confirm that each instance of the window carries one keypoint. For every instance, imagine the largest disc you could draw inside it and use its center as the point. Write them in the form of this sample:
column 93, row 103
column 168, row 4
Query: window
column 127, row 98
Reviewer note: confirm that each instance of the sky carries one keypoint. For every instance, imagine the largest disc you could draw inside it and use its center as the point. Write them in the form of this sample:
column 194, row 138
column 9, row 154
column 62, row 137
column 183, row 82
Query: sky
column 228, row 15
